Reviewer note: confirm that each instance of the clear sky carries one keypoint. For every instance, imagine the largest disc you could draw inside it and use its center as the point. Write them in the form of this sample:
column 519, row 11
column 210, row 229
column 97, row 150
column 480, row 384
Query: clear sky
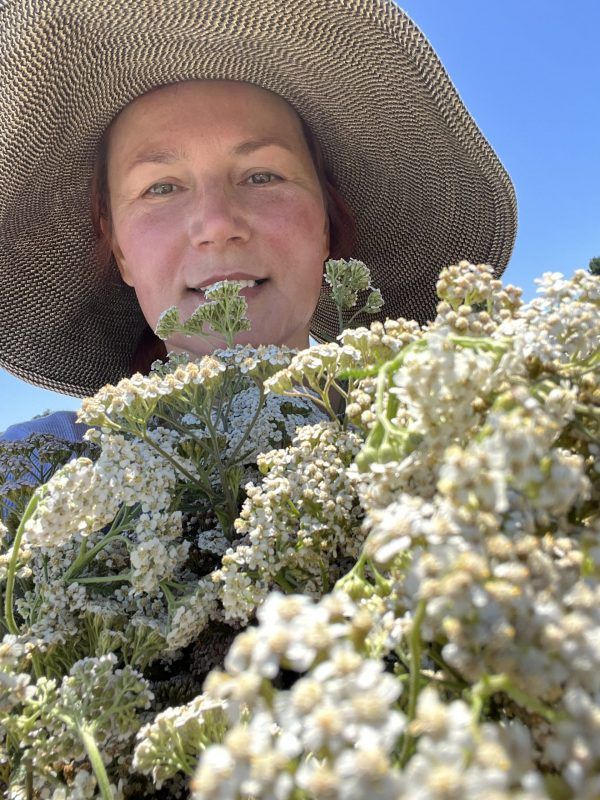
column 529, row 72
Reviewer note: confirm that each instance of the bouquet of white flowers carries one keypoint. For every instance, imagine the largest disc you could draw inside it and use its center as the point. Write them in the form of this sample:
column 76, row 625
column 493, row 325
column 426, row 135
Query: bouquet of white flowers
column 370, row 568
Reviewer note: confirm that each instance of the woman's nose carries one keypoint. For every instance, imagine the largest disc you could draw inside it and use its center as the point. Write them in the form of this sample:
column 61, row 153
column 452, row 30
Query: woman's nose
column 216, row 218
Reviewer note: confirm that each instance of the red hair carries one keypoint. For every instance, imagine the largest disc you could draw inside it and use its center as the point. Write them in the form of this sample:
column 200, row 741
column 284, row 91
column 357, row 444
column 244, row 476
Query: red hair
column 342, row 231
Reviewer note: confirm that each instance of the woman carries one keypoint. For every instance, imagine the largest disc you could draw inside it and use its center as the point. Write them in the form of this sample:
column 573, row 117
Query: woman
column 189, row 196
column 225, row 187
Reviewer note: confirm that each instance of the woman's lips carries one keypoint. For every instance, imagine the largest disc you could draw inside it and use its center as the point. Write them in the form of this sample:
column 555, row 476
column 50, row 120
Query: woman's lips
column 247, row 291
column 252, row 291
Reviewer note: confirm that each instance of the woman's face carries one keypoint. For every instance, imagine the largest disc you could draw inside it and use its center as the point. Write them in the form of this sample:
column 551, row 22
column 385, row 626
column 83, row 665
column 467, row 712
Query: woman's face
column 210, row 180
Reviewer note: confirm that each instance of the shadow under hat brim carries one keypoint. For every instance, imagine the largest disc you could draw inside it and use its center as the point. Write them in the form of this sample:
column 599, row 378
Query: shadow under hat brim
column 426, row 187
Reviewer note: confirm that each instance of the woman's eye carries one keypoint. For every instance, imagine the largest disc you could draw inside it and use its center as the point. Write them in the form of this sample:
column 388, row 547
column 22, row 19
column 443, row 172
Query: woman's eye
column 260, row 178
column 159, row 189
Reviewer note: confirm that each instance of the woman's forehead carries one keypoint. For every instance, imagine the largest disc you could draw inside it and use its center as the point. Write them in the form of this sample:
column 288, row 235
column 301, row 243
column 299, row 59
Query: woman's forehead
column 202, row 119
column 207, row 103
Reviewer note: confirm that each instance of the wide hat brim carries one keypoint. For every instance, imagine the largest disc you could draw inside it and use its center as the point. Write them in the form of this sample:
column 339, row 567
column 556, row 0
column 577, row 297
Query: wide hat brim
column 426, row 187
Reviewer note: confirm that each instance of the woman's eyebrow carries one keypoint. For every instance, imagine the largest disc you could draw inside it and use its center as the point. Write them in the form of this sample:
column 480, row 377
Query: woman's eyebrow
column 245, row 148
column 155, row 156
column 169, row 156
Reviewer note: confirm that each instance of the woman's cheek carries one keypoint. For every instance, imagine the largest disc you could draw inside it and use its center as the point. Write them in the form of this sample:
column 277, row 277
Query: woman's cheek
column 159, row 219
column 149, row 234
column 292, row 215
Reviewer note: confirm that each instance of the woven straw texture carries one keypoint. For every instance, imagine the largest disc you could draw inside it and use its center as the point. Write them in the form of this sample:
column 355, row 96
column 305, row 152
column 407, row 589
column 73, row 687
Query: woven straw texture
column 426, row 187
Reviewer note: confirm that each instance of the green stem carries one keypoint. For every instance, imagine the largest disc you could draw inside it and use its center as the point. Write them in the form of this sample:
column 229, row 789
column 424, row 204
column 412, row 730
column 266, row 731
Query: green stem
column 326, row 402
column 182, row 429
column 283, row 582
column 124, row 576
column 91, row 748
column 491, row 684
column 120, row 522
column 497, row 346
column 414, row 645
column 169, row 596
column 36, row 664
column 181, row 760
column 340, row 318
column 427, row 677
column 338, row 388
column 348, row 582
column 345, row 395
column 383, row 584
column 82, row 549
column 255, row 416
column 587, row 411
column 383, row 413
column 217, row 407
column 230, row 501
column 170, row 459
column 12, row 566
column 29, row 782
column 354, row 316
column 312, row 398
column 583, row 433
column 236, row 387
column 359, row 567
column 356, row 313
column 321, row 396
column 83, row 560
column 438, row 659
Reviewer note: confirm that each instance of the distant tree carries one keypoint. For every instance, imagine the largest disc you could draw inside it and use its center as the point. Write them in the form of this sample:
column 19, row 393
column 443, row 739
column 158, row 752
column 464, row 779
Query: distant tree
column 48, row 411
column 595, row 265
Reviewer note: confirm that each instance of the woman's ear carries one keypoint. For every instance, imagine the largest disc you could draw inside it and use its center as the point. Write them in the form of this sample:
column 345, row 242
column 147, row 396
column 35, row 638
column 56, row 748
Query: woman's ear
column 107, row 232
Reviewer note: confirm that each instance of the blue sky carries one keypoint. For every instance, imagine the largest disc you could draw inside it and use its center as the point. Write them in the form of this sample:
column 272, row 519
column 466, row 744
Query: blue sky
column 529, row 72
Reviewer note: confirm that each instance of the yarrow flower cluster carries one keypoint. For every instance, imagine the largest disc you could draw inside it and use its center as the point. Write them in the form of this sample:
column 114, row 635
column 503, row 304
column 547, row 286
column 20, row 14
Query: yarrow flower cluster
column 336, row 727
column 223, row 310
column 28, row 463
column 298, row 525
column 369, row 568
column 339, row 731
column 170, row 744
column 87, row 718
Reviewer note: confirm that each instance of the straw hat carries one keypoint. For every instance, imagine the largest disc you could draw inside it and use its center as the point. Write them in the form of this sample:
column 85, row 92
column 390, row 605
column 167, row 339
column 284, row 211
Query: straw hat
column 426, row 187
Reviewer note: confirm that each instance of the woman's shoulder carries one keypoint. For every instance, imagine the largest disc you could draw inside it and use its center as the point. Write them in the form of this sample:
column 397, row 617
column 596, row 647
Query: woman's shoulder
column 62, row 424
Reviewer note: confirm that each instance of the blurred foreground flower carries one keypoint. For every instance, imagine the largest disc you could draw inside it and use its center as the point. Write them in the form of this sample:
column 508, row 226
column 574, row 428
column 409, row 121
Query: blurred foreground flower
column 424, row 500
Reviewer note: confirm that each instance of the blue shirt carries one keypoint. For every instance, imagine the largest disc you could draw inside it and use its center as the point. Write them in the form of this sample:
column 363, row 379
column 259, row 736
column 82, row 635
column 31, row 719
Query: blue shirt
column 60, row 423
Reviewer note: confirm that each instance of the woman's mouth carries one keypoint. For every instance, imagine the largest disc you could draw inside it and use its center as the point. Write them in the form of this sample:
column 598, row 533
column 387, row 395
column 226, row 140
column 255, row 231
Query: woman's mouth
column 249, row 288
